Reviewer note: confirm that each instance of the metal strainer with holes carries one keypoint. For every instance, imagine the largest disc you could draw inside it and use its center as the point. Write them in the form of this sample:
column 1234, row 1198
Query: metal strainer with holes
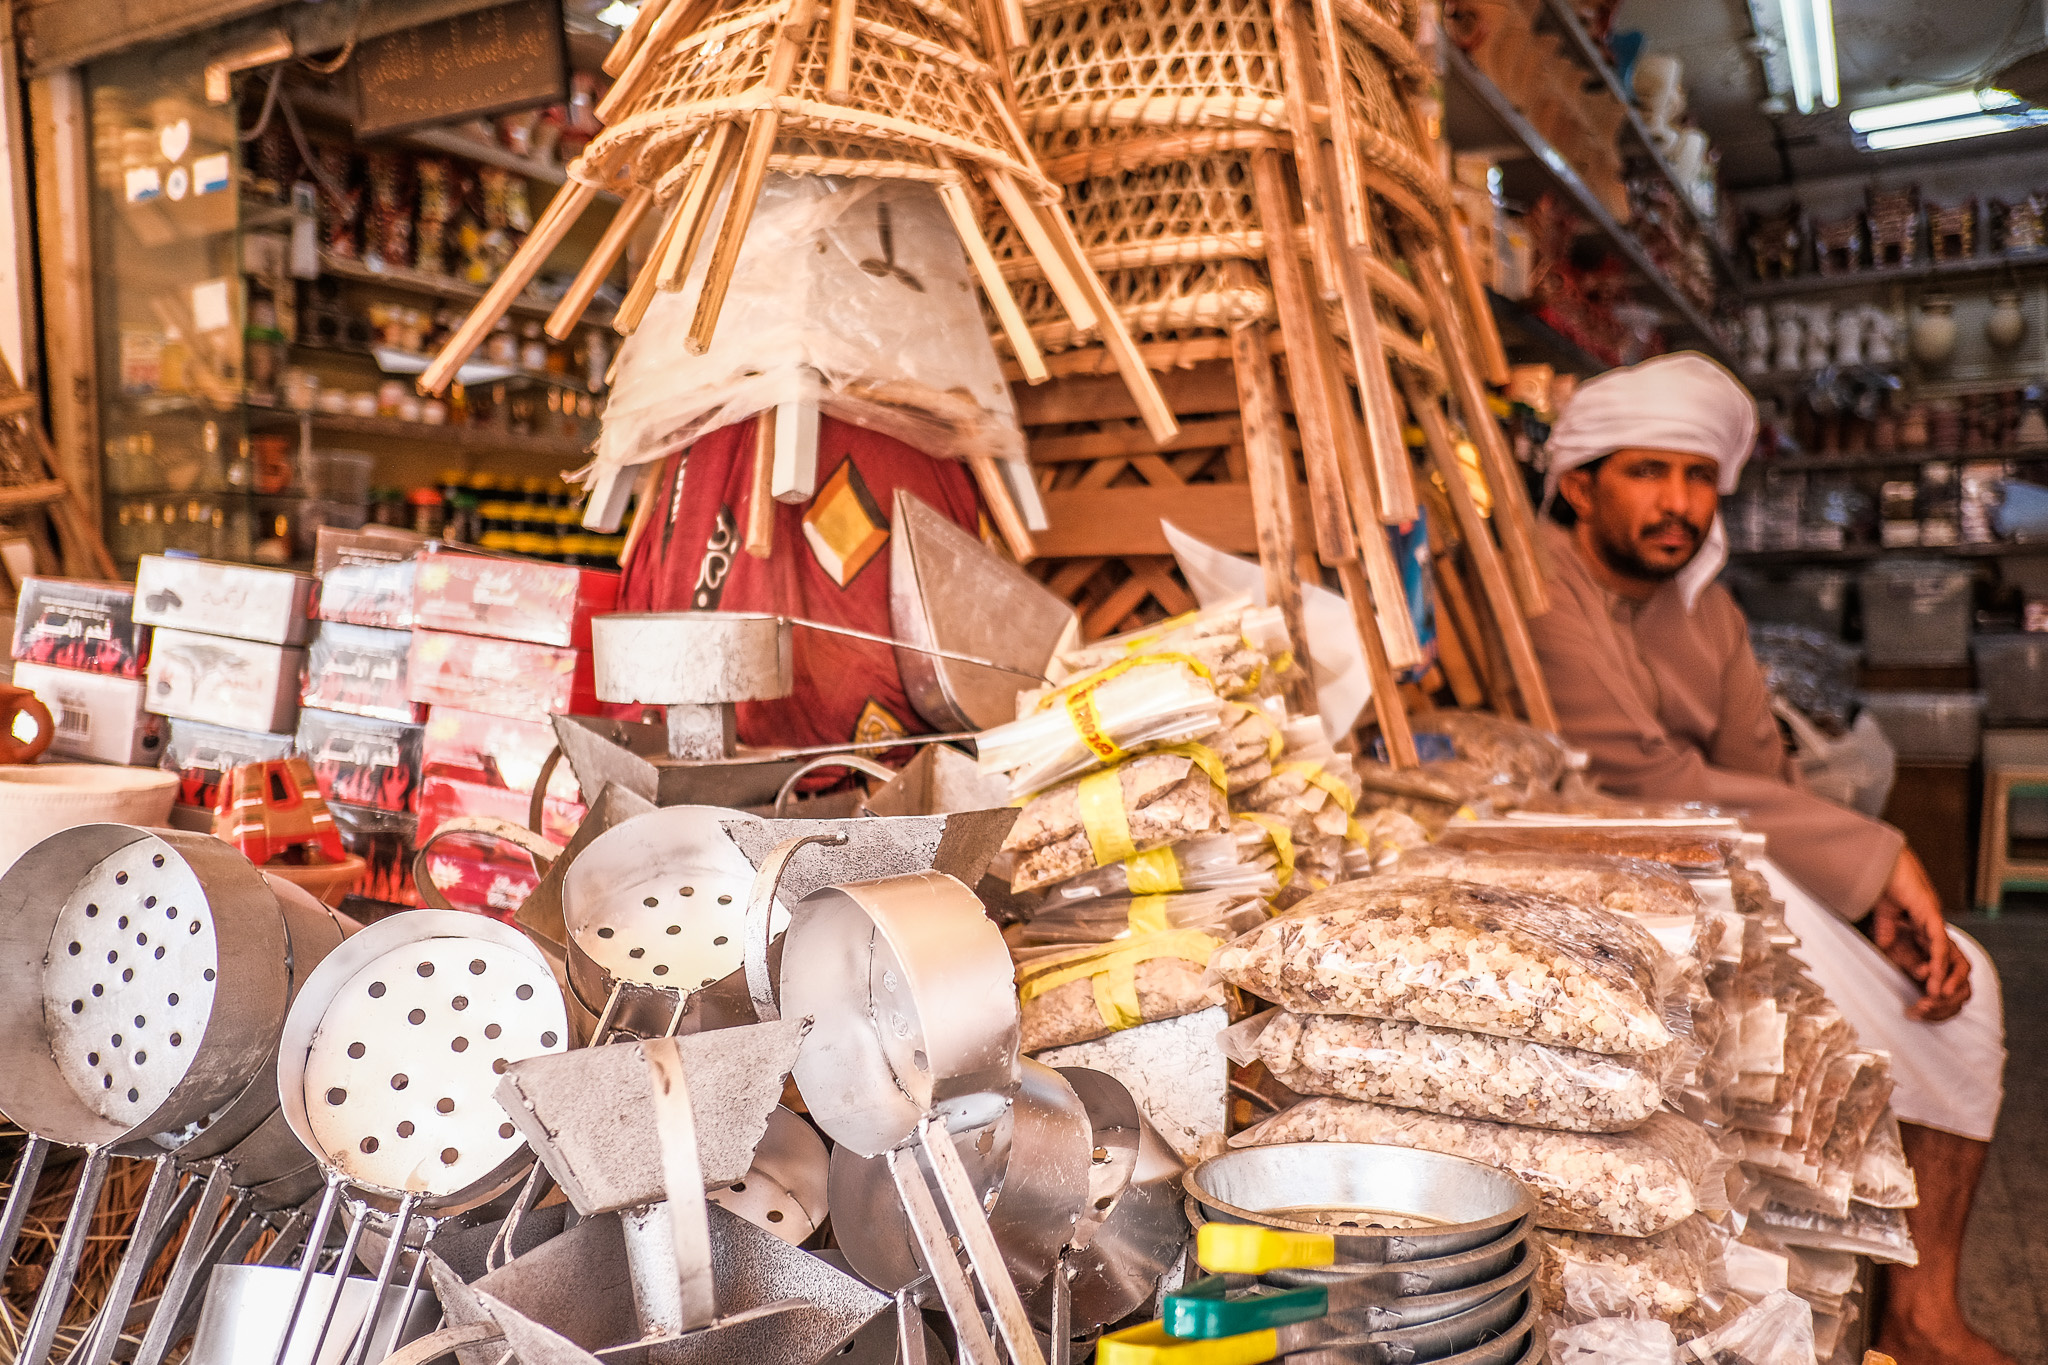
column 656, row 911
column 145, row 975
column 785, row 1190
column 388, row 1060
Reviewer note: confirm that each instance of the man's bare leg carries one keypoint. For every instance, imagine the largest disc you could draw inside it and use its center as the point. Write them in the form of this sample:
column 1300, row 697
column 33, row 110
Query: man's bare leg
column 1923, row 1320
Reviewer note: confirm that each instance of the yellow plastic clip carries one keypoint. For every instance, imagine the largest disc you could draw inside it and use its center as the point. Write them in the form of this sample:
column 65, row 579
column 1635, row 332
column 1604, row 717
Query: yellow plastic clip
column 1148, row 1344
column 1242, row 1249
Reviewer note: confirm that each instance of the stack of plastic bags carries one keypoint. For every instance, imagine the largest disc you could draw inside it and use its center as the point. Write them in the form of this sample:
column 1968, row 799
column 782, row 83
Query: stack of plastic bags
column 1169, row 798
column 1523, row 1020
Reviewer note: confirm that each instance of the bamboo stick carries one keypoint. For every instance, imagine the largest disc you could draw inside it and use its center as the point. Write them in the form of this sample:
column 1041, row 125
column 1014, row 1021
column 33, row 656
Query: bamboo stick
column 839, row 61
column 621, row 55
column 1058, row 275
column 747, row 180
column 1113, row 331
column 965, row 222
column 1513, row 518
column 1270, row 470
column 1494, row 583
column 1387, row 706
column 761, row 504
column 1002, row 507
column 592, row 276
column 1300, row 326
column 555, row 221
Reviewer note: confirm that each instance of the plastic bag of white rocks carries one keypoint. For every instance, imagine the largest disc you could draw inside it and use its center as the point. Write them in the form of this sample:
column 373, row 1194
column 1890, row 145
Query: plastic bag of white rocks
column 1625, row 1184
column 1460, row 955
column 1212, row 862
column 1880, row 1234
column 1457, row 1072
column 1777, row 1330
column 1674, row 1276
column 1615, row 1341
column 1883, row 1179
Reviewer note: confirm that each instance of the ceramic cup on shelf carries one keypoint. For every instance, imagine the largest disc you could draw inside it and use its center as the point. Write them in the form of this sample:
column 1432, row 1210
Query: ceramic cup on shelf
column 1934, row 331
column 2006, row 327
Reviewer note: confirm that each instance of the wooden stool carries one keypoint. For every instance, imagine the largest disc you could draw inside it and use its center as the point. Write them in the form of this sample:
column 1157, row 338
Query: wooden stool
column 1997, row 869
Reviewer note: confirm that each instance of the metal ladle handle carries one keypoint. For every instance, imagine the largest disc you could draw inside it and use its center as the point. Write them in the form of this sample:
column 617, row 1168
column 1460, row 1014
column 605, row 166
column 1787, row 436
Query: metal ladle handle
column 41, row 1334
column 932, row 650
column 760, row 928
column 27, row 1171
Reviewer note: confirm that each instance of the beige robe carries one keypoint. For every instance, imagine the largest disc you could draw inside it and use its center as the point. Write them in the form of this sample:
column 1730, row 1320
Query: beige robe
column 1672, row 706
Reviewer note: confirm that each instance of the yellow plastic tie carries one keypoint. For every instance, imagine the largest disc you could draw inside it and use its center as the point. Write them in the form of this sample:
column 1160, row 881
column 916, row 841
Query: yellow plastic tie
column 1246, row 1249
column 1154, row 873
column 1203, row 757
column 1147, row 915
column 1101, row 795
column 1148, row 1344
column 1315, row 775
column 1112, row 970
column 1087, row 719
column 1283, row 841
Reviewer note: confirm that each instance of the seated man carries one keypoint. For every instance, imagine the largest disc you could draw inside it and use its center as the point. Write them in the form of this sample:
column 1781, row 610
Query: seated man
column 1649, row 664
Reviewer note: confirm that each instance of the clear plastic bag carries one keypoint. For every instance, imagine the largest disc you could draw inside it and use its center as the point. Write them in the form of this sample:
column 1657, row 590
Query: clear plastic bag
column 1518, row 754
column 1212, row 862
column 1630, row 1184
column 1455, row 1072
column 1242, row 647
column 1627, row 886
column 812, row 317
column 1883, row 1177
column 1777, row 1330
column 1615, row 1341
column 1143, row 803
column 1088, row 970
column 1688, row 851
column 1164, row 700
column 1459, row 955
column 1880, row 1234
column 1672, row 1277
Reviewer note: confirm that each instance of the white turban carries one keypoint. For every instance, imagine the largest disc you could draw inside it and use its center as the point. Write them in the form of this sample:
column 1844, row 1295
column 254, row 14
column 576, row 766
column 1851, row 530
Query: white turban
column 1682, row 402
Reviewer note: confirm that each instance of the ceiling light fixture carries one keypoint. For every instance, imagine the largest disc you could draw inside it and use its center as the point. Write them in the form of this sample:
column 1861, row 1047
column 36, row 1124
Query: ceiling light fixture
column 1809, row 31
column 1949, row 117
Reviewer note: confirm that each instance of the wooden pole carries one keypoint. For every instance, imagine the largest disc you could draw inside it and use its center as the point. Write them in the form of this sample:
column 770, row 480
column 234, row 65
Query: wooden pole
column 592, row 276
column 1307, row 378
column 1494, row 583
column 761, row 504
column 555, row 221
column 1387, row 705
column 1269, row 467
column 967, row 224
column 1002, row 507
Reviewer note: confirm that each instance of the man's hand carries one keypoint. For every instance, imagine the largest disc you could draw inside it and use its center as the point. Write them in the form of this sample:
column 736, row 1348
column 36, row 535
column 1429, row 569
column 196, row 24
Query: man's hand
column 1908, row 928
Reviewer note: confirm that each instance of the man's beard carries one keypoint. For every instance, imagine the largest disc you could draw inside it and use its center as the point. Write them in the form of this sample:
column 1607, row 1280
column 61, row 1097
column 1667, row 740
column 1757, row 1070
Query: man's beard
column 1622, row 558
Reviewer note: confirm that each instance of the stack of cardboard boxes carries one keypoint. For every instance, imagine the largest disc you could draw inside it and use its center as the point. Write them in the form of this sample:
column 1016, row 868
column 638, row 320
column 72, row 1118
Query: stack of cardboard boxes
column 79, row 647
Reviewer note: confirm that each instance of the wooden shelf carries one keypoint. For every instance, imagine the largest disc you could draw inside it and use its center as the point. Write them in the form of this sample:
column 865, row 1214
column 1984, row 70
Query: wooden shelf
column 1896, row 459
column 1992, row 550
column 453, row 437
column 1565, row 177
column 1522, row 328
column 447, row 141
column 446, row 287
column 1755, row 291
column 1566, row 18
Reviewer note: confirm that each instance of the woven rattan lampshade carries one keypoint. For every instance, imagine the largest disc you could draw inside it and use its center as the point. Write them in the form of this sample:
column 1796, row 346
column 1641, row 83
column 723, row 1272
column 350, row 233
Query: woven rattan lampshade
column 712, row 99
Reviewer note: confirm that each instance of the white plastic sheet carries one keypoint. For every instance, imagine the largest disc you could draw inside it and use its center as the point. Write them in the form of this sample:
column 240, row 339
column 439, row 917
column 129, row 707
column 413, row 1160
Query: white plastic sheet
column 854, row 295
column 1336, row 657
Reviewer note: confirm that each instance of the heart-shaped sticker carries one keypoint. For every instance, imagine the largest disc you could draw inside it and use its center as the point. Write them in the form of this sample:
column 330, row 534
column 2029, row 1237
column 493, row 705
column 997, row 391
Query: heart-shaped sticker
column 173, row 138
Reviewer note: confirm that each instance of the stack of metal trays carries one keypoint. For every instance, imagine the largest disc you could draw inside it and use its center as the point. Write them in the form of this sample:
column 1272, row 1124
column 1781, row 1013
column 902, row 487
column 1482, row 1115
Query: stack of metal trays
column 1434, row 1255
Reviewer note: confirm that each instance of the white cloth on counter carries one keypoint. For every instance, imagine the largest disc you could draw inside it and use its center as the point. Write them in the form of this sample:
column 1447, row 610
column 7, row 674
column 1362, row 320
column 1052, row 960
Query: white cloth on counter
column 1949, row 1075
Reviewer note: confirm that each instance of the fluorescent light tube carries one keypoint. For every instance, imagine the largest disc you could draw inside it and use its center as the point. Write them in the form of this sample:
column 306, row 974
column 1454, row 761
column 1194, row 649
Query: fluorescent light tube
column 1824, row 52
column 1929, row 109
column 1799, row 53
column 1810, row 52
column 1947, row 130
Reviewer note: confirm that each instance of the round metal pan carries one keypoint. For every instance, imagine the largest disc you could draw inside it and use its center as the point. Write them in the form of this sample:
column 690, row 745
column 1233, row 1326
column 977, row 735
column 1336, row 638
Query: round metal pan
column 395, row 1044
column 1391, row 1280
column 787, row 1189
column 1380, row 1203
column 1433, row 1340
column 912, row 991
column 1028, row 1168
column 1519, row 1343
column 145, row 977
column 1368, row 1305
column 656, row 910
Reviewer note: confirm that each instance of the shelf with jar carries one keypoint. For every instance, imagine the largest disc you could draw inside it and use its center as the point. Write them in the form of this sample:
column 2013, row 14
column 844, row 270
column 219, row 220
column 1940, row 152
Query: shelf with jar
column 1894, row 237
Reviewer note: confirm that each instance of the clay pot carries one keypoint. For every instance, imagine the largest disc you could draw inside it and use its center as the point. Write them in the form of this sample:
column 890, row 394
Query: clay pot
column 1934, row 331
column 2006, row 327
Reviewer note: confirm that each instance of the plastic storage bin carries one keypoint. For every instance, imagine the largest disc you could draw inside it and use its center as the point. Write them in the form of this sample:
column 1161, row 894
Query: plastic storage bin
column 1815, row 598
column 1916, row 613
column 2013, row 671
column 1929, row 727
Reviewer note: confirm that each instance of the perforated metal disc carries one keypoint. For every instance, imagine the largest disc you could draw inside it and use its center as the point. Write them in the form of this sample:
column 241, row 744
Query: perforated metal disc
column 661, row 900
column 128, row 986
column 400, row 1070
